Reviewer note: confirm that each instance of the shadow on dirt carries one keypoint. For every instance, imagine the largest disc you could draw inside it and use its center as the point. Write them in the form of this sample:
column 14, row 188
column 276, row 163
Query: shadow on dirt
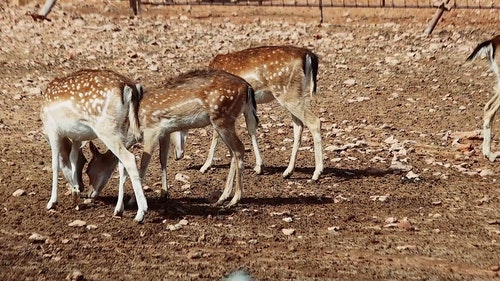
column 200, row 206
column 304, row 173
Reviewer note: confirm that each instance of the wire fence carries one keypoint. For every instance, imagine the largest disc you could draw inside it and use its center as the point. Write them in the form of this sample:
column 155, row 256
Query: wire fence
column 453, row 4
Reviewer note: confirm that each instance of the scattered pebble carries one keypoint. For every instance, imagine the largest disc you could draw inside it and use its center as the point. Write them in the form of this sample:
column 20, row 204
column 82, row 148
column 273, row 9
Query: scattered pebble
column 288, row 231
column 19, row 192
column 37, row 238
column 91, row 226
column 182, row 178
column 77, row 223
column 75, row 275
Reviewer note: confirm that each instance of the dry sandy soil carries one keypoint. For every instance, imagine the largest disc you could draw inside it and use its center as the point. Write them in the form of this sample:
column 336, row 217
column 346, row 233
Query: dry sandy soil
column 406, row 193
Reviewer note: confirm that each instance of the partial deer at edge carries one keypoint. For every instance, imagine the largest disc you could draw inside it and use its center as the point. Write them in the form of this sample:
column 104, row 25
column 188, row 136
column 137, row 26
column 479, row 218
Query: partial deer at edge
column 489, row 48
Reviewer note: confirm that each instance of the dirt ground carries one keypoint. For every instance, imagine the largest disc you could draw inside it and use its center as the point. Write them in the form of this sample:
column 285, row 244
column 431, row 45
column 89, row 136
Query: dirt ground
column 405, row 194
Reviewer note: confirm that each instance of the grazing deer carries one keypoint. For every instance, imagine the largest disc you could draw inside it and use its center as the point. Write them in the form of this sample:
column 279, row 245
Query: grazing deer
column 489, row 48
column 192, row 100
column 287, row 74
column 102, row 165
column 86, row 105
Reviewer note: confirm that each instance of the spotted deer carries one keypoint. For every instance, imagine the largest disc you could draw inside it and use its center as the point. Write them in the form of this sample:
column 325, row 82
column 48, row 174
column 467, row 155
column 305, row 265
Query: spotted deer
column 192, row 100
column 489, row 47
column 86, row 105
column 284, row 73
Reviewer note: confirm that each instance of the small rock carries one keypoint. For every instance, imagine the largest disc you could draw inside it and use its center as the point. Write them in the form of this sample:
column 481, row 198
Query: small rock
column 76, row 275
column 390, row 140
column 411, row 177
column 486, row 172
column 173, row 227
column 253, row 241
column 182, row 178
column 19, row 192
column 404, row 224
column 406, row 247
column 391, row 220
column 381, row 198
column 195, row 255
column 239, row 275
column 287, row 219
column 350, row 82
column 91, row 226
column 77, row 223
column 37, row 238
column 333, row 228
column 288, row 231
column 391, row 61
column 153, row 68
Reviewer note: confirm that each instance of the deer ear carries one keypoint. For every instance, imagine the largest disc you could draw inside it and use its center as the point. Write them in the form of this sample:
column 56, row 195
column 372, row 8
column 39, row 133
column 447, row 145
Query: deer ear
column 93, row 149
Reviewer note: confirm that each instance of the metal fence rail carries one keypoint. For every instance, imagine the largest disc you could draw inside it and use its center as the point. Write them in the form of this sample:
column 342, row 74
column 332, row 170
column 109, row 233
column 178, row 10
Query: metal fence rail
column 441, row 5
column 453, row 4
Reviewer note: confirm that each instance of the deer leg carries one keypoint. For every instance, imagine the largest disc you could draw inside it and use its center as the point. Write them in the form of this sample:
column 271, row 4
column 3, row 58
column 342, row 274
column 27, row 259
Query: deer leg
column 490, row 110
column 211, row 153
column 314, row 125
column 121, row 189
column 151, row 138
column 178, row 139
column 164, row 147
column 127, row 159
column 73, row 159
column 55, row 146
column 236, row 169
column 64, row 162
column 297, row 133
column 303, row 115
column 251, row 122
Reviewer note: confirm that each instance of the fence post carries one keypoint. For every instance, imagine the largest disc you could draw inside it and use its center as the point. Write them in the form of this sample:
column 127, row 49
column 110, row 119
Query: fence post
column 320, row 3
column 439, row 12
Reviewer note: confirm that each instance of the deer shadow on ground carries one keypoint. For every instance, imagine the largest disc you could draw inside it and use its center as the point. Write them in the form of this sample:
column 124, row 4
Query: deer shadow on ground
column 305, row 173
column 177, row 208
column 203, row 206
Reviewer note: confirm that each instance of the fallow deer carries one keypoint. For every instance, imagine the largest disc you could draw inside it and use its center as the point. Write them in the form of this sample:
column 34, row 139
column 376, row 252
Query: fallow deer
column 489, row 48
column 192, row 100
column 284, row 73
column 92, row 104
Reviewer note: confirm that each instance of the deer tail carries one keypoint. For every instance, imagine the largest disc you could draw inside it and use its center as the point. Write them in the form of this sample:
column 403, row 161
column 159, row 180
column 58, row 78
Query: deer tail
column 134, row 96
column 252, row 103
column 489, row 49
column 310, row 67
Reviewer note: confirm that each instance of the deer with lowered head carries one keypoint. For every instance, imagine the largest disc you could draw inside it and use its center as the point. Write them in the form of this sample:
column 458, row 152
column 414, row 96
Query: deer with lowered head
column 86, row 105
column 192, row 100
